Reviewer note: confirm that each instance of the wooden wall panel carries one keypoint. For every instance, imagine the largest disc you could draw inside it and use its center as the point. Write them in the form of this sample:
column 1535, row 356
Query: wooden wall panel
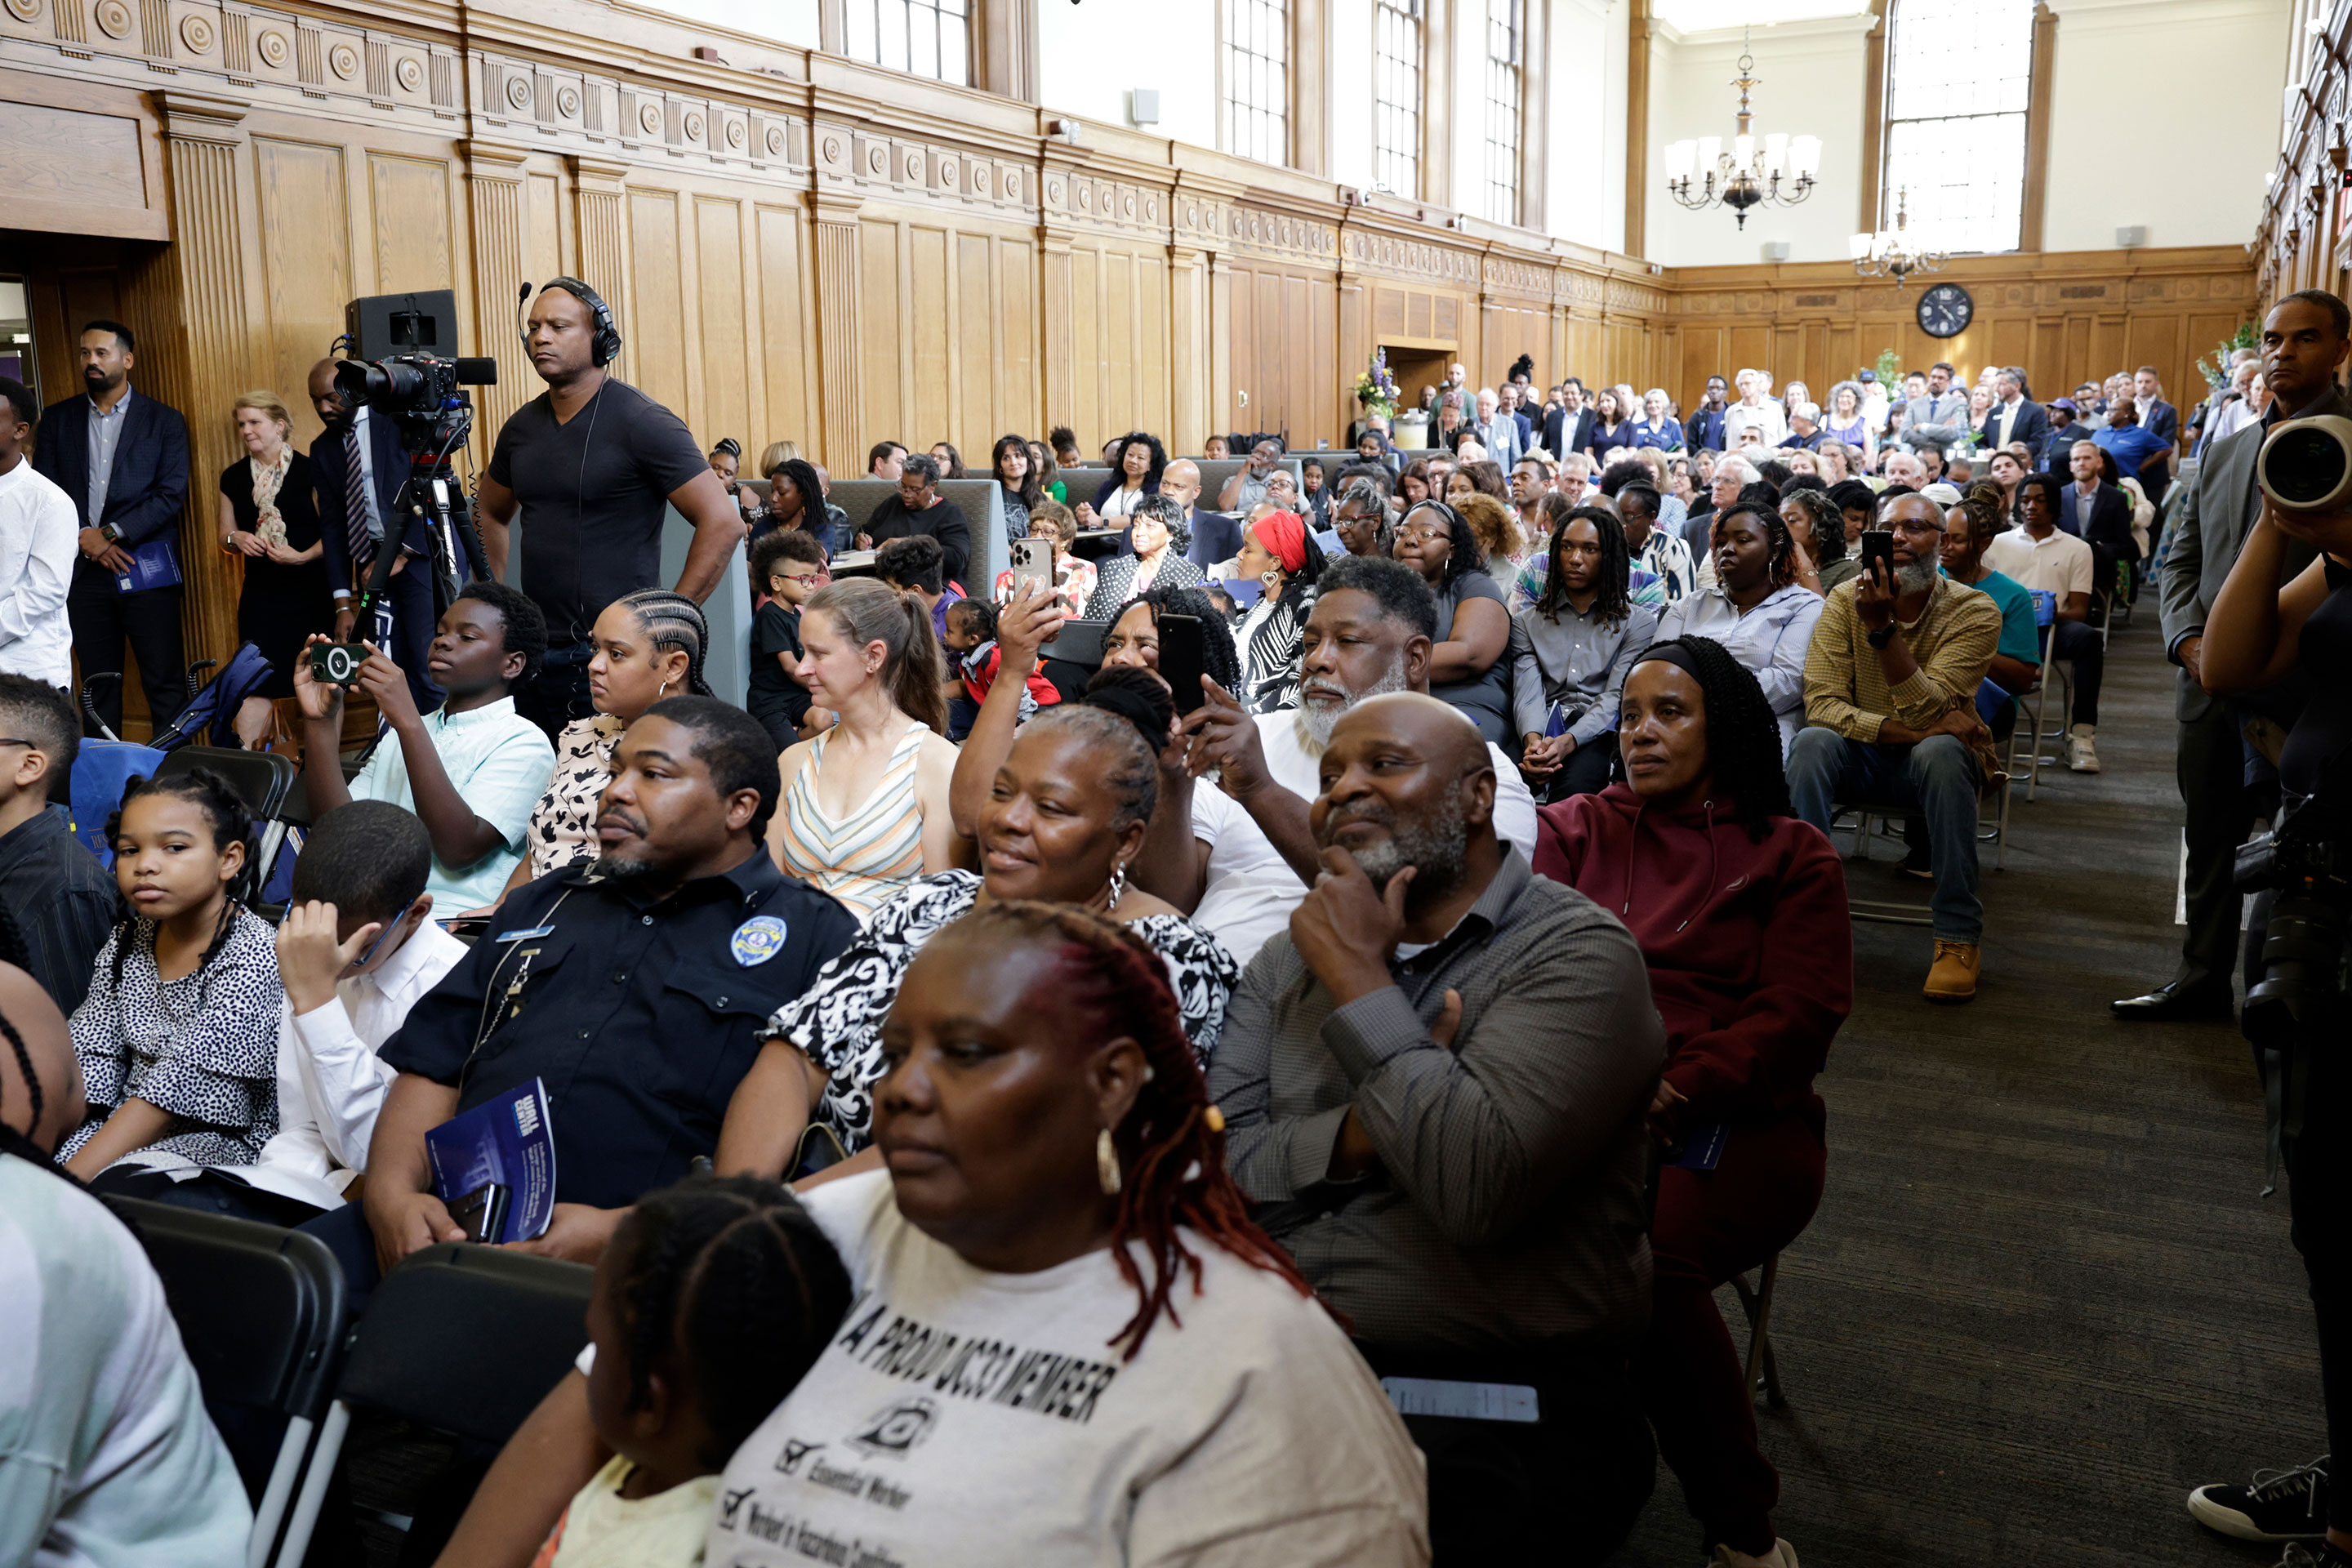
column 414, row 248
column 784, row 359
column 882, row 376
column 654, row 359
column 1015, row 340
column 928, row 328
column 975, row 421
column 726, row 405
column 305, row 240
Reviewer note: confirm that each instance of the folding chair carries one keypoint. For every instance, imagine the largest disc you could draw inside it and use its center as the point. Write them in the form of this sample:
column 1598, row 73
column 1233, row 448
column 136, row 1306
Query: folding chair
column 260, row 1310
column 264, row 781
column 463, row 1337
column 1756, row 1300
column 1884, row 911
column 1991, row 699
column 2054, row 672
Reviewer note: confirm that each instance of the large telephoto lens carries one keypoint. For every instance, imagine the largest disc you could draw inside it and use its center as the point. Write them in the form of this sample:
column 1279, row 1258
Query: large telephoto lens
column 389, row 385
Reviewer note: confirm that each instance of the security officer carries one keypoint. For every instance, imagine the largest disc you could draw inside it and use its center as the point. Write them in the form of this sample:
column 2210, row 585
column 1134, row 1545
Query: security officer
column 633, row 990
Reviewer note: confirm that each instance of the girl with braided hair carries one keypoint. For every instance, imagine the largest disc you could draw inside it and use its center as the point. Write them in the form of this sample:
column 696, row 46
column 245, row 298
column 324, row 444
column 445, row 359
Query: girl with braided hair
column 178, row 1036
column 1583, row 633
column 1070, row 1344
column 712, row 1302
column 647, row 645
column 1740, row 911
column 1755, row 607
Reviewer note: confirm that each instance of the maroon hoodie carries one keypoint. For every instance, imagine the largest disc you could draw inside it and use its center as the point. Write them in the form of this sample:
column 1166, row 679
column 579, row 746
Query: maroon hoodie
column 1750, row 946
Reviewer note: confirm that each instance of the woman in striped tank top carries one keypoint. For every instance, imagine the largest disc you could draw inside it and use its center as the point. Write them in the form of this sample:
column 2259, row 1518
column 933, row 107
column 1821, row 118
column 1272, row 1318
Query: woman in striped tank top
column 864, row 808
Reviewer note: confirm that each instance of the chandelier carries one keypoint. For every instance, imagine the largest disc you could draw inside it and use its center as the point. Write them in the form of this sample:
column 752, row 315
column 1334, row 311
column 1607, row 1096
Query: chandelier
column 1890, row 255
column 1754, row 170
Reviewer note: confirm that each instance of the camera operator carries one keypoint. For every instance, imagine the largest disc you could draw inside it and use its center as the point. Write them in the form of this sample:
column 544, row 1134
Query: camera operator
column 2258, row 636
column 363, row 462
column 590, row 463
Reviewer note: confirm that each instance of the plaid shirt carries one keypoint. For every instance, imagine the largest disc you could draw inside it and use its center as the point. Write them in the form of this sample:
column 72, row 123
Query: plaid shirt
column 1508, row 1210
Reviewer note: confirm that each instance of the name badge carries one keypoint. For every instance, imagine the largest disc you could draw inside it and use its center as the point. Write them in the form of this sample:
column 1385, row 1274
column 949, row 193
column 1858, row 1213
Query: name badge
column 757, row 940
column 526, row 935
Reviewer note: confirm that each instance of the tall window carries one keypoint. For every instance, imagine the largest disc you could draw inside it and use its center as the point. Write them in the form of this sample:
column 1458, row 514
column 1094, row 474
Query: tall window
column 1503, row 109
column 926, row 37
column 1257, row 80
column 1396, row 125
column 1958, row 76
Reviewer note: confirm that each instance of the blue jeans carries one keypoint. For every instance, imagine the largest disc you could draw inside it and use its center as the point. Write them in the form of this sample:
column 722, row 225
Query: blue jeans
column 1936, row 779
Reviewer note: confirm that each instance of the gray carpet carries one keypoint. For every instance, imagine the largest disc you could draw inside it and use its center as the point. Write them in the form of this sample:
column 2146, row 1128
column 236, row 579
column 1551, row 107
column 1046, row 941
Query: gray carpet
column 2043, row 1296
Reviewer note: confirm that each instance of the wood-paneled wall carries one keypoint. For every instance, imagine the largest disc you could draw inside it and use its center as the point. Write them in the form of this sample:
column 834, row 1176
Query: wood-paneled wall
column 2305, row 239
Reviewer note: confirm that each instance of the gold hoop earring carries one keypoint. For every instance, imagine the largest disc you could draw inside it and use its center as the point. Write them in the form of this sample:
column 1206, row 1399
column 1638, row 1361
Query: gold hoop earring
column 1107, row 1163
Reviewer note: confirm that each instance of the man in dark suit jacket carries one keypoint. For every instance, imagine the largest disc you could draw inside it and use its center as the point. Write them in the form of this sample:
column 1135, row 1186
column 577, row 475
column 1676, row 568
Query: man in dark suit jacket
column 2095, row 510
column 1216, row 535
column 2025, row 419
column 1567, row 427
column 2156, row 417
column 403, row 624
column 123, row 459
column 2303, row 346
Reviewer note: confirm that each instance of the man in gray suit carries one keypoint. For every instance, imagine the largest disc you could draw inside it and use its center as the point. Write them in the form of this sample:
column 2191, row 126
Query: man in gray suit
column 2305, row 339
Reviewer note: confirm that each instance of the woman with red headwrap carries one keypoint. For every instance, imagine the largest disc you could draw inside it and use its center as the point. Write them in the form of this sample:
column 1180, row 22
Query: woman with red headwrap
column 1278, row 552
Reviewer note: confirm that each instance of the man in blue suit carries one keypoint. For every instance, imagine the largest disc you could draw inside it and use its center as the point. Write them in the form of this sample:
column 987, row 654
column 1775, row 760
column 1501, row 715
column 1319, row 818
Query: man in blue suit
column 2014, row 417
column 363, row 462
column 123, row 459
column 1216, row 535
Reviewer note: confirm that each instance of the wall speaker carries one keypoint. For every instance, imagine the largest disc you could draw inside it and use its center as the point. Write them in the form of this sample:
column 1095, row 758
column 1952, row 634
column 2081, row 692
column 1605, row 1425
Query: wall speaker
column 2133, row 235
column 1143, row 105
column 1775, row 250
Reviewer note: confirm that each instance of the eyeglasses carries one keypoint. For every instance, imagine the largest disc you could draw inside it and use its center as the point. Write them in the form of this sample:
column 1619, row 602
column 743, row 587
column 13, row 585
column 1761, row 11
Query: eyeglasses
column 389, row 927
column 11, row 741
column 1424, row 535
column 804, row 579
column 1906, row 526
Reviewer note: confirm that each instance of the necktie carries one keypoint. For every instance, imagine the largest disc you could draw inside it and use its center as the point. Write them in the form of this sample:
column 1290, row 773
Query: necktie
column 355, row 509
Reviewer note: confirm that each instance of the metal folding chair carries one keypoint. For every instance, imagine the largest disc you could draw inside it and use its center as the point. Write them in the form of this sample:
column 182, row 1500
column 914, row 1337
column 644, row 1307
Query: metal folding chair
column 1756, row 1300
column 264, row 781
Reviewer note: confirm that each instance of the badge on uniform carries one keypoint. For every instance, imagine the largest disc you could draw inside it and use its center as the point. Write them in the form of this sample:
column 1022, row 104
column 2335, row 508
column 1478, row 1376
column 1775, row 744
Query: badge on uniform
column 757, row 940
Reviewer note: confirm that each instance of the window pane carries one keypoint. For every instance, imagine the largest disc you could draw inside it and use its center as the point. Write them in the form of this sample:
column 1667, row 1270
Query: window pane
column 1960, row 73
column 927, row 38
column 1501, row 192
column 1396, row 123
column 1257, row 80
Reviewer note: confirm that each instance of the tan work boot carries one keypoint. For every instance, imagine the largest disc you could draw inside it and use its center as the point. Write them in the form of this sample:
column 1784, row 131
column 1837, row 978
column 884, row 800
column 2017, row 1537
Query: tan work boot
column 1953, row 976
column 1782, row 1555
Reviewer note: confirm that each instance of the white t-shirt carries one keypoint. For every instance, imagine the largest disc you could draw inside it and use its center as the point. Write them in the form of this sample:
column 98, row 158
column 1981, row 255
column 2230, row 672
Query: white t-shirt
column 1251, row 889
column 106, row 1454
column 2059, row 564
column 38, row 531
column 964, row 1419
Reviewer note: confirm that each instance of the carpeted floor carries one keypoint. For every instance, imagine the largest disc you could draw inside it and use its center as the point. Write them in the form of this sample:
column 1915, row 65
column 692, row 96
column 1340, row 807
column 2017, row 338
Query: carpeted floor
column 2043, row 1296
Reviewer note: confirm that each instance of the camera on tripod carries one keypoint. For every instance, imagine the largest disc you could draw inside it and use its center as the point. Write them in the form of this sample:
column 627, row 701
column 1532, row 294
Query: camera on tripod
column 2303, row 861
column 412, row 386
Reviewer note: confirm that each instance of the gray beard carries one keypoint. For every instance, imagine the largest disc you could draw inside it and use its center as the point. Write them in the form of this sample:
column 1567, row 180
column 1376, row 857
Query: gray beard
column 1437, row 847
column 1915, row 576
column 1318, row 722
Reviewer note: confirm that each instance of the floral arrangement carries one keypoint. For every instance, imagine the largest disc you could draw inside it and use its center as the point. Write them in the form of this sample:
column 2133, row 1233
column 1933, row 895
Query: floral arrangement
column 2214, row 363
column 1376, row 389
column 1889, row 367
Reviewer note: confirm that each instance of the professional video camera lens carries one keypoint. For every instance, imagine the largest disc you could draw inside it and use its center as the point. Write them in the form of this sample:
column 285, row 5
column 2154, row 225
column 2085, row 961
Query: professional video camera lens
column 2305, row 465
column 389, row 383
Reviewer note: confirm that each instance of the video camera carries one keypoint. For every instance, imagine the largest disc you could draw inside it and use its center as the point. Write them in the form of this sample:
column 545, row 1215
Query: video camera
column 2305, row 465
column 412, row 385
column 2304, row 862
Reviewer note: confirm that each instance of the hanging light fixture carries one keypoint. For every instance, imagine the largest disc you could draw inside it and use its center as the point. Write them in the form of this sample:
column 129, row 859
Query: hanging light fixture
column 1779, row 168
column 1890, row 254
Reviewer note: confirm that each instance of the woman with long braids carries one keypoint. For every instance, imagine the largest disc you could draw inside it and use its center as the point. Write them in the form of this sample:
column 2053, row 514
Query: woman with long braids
column 1064, row 817
column 1585, row 631
column 178, row 1036
column 1466, row 667
column 1070, row 1340
column 649, row 645
column 1755, row 608
column 796, row 499
column 1740, row 911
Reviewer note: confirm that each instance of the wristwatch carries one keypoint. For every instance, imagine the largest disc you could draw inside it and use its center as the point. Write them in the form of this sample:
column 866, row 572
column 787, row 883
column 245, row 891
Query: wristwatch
column 1882, row 637
column 111, row 532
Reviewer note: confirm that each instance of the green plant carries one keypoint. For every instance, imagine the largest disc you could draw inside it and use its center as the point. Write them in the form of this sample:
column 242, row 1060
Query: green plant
column 1890, row 370
column 2214, row 363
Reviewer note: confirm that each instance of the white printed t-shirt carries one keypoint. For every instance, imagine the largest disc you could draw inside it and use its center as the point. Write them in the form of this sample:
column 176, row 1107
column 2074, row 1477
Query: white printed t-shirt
column 964, row 1419
column 1251, row 889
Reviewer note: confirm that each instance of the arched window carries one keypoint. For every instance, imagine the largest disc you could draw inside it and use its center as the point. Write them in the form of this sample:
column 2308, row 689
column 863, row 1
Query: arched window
column 1396, row 109
column 1257, row 80
column 1959, row 75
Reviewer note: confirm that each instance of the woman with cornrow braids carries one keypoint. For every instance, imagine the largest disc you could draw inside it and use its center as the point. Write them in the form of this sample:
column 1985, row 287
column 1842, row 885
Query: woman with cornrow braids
column 1070, row 1344
column 1740, row 911
column 178, row 1038
column 648, row 645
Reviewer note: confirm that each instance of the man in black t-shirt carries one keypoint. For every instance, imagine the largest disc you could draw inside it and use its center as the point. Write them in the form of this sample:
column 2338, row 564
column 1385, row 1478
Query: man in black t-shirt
column 918, row 507
column 590, row 463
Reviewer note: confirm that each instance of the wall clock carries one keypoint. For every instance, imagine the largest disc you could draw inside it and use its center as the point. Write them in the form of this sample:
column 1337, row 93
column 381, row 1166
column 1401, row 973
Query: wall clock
column 1945, row 311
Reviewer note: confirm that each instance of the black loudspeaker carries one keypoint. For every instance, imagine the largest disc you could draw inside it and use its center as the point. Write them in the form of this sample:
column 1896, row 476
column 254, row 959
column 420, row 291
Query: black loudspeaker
column 383, row 325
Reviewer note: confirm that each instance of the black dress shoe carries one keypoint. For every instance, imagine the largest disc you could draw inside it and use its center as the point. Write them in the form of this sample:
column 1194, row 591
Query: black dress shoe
column 2170, row 1004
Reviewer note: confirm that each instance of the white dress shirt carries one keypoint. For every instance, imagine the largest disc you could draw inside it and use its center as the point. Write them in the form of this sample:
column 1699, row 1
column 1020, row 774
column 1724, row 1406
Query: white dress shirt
column 1764, row 415
column 38, row 530
column 331, row 1083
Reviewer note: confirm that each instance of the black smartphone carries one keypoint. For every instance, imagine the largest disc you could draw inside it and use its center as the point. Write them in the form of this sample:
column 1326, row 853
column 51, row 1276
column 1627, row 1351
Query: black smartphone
column 482, row 1212
column 1877, row 545
column 1181, row 663
column 465, row 925
column 337, row 663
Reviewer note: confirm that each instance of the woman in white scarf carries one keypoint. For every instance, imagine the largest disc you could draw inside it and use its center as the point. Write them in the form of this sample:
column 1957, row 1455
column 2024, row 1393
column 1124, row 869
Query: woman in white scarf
column 269, row 520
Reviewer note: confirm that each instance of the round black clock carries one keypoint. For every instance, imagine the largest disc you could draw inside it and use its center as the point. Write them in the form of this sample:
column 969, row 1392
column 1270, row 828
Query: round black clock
column 1945, row 311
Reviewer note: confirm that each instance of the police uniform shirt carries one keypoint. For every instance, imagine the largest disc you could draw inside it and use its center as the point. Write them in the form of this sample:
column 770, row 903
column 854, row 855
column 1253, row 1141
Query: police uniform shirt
column 639, row 1015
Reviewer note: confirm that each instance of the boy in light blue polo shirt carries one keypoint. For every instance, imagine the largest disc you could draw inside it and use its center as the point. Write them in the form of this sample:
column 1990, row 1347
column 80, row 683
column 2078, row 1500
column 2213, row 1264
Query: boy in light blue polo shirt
column 473, row 769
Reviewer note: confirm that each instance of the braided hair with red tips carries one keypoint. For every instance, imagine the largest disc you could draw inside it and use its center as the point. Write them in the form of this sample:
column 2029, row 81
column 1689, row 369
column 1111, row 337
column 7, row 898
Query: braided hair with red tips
column 1172, row 1146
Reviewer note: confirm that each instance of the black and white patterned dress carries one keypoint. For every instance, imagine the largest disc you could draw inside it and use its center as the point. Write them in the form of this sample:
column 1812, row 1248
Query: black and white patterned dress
column 563, row 824
column 837, row 1020
column 204, row 1047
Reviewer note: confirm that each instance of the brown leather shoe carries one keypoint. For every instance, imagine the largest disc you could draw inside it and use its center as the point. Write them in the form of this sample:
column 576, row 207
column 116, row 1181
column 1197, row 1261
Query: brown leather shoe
column 1953, row 976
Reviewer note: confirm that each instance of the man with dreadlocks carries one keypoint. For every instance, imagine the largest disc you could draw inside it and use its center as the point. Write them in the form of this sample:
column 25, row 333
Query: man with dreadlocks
column 106, row 1454
column 1436, row 1081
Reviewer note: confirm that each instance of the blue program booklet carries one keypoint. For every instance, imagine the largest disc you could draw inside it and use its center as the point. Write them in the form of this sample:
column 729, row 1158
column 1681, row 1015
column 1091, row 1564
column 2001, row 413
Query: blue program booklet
column 494, row 1166
column 153, row 565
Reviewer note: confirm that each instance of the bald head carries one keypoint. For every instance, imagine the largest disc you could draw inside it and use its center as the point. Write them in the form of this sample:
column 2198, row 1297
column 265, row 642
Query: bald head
column 323, row 395
column 1442, row 731
column 1408, row 781
column 1180, row 482
column 48, row 1049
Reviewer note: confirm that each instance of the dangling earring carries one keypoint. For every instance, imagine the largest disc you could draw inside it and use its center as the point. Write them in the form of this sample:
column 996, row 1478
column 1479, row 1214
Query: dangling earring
column 1117, row 884
column 1107, row 1163
column 662, row 690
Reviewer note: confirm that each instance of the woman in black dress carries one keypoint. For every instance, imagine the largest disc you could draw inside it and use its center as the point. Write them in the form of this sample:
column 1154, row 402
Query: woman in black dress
column 270, row 516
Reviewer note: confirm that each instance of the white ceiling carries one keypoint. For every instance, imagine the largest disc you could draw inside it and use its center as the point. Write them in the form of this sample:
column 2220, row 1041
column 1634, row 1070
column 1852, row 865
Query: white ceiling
column 1710, row 15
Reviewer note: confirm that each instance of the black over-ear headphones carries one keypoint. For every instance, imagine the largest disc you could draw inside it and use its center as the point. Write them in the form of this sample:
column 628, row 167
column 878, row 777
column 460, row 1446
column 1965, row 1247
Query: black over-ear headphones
column 606, row 347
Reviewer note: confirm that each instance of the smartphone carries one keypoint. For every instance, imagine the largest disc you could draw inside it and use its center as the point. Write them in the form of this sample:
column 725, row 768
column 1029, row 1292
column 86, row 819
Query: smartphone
column 465, row 925
column 482, row 1212
column 1877, row 545
column 1181, row 663
column 1032, row 562
column 337, row 663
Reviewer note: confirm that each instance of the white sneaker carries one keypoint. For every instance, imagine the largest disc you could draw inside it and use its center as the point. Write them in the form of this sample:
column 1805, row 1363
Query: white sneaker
column 1782, row 1555
column 2082, row 755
